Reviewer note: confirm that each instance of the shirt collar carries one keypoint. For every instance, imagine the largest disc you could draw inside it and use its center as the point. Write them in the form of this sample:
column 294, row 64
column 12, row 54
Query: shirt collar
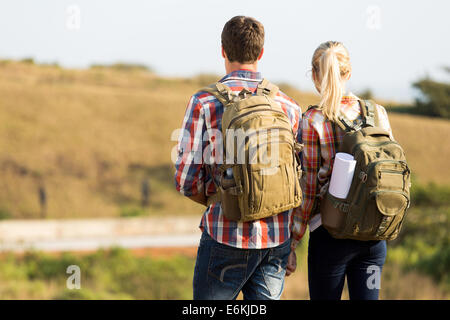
column 243, row 73
column 349, row 98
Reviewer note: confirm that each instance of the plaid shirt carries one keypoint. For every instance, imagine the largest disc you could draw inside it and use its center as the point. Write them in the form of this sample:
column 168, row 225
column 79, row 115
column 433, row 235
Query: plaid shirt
column 319, row 151
column 203, row 117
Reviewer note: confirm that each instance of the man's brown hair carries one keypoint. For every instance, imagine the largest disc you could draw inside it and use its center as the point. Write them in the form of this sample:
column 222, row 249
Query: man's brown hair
column 243, row 39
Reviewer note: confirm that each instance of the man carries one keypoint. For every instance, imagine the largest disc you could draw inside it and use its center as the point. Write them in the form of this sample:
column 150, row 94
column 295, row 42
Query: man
column 251, row 257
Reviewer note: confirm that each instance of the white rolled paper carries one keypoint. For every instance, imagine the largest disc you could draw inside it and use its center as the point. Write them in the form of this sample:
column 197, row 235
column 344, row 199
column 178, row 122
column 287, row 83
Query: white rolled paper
column 342, row 175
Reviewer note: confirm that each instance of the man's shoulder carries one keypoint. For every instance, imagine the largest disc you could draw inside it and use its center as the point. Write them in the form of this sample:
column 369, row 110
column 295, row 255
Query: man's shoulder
column 202, row 96
column 288, row 101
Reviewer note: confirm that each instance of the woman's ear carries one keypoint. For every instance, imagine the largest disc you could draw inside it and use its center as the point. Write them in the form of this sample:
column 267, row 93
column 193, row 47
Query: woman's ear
column 314, row 78
column 348, row 76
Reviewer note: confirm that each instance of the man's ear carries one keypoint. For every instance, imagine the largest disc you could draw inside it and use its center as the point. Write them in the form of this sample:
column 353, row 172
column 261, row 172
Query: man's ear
column 224, row 55
column 261, row 54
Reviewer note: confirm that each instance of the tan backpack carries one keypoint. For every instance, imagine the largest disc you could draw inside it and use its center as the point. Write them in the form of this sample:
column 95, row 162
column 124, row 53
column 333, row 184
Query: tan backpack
column 264, row 161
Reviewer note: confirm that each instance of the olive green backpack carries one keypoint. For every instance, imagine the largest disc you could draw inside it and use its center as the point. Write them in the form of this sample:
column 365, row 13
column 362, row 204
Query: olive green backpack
column 379, row 197
column 264, row 160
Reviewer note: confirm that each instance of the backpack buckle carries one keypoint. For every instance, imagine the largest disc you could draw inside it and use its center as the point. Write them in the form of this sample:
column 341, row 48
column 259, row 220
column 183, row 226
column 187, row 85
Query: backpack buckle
column 344, row 207
column 266, row 91
column 363, row 176
column 244, row 92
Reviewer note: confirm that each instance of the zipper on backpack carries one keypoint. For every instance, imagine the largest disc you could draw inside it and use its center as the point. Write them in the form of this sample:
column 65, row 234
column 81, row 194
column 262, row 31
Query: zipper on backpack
column 267, row 129
column 374, row 164
column 379, row 144
column 389, row 171
column 253, row 111
column 250, row 188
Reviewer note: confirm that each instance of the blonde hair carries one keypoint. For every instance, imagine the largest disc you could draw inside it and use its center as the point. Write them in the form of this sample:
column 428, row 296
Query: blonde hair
column 330, row 65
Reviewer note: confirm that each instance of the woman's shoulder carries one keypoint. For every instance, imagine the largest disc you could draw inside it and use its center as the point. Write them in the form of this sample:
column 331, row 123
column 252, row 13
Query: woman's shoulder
column 383, row 120
column 380, row 109
column 313, row 114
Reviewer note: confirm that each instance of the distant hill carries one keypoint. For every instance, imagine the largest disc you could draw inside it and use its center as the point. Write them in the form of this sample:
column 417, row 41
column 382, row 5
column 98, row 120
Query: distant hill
column 86, row 140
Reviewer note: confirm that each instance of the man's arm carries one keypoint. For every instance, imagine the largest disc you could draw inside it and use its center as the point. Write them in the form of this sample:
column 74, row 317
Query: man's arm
column 199, row 198
column 190, row 173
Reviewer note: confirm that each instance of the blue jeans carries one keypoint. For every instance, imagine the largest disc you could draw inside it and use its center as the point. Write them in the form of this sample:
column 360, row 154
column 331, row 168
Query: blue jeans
column 330, row 260
column 222, row 271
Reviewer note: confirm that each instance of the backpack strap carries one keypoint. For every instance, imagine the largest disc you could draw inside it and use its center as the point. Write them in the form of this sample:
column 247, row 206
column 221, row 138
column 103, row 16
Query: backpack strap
column 371, row 113
column 221, row 91
column 267, row 88
column 369, row 117
column 345, row 124
column 312, row 107
column 342, row 122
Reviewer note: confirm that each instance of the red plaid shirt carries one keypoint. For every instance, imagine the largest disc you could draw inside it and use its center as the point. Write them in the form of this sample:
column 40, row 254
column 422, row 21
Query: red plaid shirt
column 319, row 151
column 202, row 118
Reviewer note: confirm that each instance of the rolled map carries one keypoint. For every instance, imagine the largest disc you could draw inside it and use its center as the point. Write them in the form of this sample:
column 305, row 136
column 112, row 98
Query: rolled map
column 342, row 175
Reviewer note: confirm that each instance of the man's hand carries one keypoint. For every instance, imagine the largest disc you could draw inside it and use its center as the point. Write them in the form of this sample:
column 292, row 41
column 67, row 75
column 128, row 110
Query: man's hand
column 292, row 263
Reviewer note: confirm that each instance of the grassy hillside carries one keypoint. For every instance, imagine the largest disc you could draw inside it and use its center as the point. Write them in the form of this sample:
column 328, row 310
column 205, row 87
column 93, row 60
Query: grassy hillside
column 89, row 138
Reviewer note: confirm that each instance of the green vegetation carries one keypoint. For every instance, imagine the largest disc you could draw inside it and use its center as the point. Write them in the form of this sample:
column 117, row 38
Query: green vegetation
column 433, row 101
column 132, row 211
column 4, row 214
column 112, row 274
column 423, row 244
column 367, row 94
column 123, row 67
column 431, row 195
column 27, row 60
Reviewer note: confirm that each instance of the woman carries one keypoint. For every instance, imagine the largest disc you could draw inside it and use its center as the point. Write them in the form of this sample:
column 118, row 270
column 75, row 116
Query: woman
column 330, row 260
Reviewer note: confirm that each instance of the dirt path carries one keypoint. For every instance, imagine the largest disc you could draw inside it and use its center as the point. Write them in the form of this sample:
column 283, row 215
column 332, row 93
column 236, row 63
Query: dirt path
column 93, row 234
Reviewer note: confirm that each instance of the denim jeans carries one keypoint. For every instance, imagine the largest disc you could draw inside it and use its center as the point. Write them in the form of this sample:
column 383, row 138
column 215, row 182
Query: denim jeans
column 330, row 260
column 222, row 271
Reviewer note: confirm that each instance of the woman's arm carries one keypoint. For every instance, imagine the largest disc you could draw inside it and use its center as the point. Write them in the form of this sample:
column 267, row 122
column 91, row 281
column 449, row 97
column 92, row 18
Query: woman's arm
column 311, row 164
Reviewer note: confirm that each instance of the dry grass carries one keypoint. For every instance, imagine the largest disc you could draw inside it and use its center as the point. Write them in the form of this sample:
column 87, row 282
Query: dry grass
column 91, row 136
column 396, row 284
column 426, row 142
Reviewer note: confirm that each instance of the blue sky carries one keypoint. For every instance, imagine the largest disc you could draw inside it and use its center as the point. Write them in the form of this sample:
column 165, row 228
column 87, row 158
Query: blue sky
column 391, row 43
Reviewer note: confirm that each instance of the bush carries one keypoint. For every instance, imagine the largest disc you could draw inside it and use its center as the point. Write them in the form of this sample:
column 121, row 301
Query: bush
column 27, row 60
column 423, row 243
column 438, row 265
column 4, row 214
column 435, row 99
column 430, row 195
column 132, row 211
column 125, row 67
column 366, row 94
